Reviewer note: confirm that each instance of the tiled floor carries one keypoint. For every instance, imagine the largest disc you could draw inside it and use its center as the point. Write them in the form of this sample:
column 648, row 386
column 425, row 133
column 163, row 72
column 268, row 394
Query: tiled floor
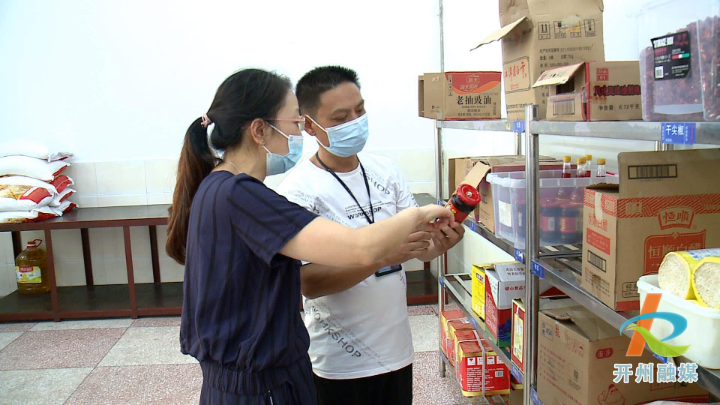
column 132, row 362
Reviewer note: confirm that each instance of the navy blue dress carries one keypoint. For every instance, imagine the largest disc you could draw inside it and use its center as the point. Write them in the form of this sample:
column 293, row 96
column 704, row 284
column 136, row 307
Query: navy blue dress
column 241, row 306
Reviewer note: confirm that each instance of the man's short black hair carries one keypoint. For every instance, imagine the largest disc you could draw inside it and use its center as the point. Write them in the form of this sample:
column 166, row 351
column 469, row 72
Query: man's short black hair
column 318, row 81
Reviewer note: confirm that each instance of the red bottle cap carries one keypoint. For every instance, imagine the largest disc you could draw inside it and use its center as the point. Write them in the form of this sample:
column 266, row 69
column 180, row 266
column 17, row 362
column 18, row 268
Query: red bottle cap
column 468, row 194
column 34, row 244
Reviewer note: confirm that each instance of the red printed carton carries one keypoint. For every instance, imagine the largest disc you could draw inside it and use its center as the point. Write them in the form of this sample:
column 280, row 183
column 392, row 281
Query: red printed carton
column 502, row 285
column 470, row 359
column 666, row 201
column 453, row 328
column 445, row 317
column 457, row 96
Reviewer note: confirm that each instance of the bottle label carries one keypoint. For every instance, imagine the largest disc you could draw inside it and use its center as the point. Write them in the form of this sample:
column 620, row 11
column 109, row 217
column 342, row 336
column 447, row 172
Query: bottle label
column 28, row 274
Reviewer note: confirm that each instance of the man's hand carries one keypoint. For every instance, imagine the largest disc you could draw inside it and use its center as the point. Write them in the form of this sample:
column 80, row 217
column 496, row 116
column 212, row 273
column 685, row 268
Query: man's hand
column 448, row 237
column 416, row 246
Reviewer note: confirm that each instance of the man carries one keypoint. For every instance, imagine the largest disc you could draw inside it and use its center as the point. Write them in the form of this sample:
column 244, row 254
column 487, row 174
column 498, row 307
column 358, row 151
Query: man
column 360, row 340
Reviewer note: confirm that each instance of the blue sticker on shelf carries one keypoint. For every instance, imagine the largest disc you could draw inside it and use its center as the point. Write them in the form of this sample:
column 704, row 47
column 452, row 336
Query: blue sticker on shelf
column 516, row 373
column 519, row 126
column 520, row 256
column 440, row 203
column 442, row 282
column 664, row 359
column 680, row 133
column 473, row 226
column 534, row 396
column 538, row 270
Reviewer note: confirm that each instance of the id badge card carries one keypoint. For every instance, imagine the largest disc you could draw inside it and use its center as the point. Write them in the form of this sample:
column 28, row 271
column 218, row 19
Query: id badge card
column 388, row 270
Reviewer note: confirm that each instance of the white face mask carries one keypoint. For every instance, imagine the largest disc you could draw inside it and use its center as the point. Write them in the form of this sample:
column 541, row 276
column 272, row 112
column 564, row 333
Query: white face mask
column 278, row 164
column 347, row 139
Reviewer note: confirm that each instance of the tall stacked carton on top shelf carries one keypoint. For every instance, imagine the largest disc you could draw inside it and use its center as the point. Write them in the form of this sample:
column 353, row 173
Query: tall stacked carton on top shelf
column 543, row 34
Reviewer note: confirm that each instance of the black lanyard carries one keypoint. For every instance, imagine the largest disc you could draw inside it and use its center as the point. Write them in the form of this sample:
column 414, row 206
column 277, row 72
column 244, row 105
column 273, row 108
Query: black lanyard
column 367, row 187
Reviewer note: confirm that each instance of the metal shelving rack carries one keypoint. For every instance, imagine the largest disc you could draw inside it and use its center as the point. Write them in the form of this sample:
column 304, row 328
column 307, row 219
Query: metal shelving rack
column 560, row 266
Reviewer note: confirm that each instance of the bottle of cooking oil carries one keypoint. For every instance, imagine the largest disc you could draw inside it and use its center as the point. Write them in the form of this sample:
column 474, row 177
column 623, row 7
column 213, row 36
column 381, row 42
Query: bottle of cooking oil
column 31, row 269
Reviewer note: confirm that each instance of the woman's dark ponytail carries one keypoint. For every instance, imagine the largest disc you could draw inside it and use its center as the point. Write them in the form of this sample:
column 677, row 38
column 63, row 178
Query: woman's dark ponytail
column 241, row 98
column 196, row 162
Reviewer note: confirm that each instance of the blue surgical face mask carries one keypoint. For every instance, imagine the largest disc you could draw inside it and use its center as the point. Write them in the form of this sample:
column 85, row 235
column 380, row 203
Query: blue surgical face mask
column 278, row 164
column 347, row 139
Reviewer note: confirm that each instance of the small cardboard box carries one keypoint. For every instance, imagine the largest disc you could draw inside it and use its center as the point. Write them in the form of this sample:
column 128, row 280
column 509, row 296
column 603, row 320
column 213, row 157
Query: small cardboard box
column 476, row 170
column 518, row 330
column 518, row 320
column 593, row 91
column 457, row 96
column 502, row 285
column 577, row 353
column 478, row 290
column 666, row 201
column 463, row 336
column 454, row 327
column 470, row 360
column 541, row 34
column 445, row 317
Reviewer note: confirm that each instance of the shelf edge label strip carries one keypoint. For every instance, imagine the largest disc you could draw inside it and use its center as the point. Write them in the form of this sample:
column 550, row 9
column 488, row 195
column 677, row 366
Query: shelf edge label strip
column 678, row 133
column 538, row 270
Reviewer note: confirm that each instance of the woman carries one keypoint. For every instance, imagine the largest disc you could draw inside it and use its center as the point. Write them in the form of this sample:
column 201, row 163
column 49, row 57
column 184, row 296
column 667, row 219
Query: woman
column 241, row 244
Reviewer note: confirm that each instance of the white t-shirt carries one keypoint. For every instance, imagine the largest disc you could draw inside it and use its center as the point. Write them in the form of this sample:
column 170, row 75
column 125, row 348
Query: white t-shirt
column 363, row 331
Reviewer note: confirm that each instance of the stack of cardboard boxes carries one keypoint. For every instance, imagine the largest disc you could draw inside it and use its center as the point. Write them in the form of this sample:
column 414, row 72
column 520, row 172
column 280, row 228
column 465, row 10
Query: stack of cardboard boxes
column 478, row 368
column 554, row 57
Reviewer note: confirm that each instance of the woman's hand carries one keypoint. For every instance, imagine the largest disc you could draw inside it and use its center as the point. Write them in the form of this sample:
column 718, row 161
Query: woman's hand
column 434, row 217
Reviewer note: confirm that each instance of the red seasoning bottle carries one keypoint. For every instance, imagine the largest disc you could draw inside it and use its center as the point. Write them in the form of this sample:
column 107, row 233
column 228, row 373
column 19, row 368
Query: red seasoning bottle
column 588, row 165
column 567, row 167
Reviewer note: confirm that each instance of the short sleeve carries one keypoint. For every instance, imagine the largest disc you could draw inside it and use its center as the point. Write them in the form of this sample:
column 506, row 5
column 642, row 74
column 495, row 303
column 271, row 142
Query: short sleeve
column 404, row 198
column 265, row 220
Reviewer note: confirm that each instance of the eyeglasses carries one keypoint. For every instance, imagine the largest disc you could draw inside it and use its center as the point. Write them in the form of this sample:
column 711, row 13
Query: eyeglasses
column 299, row 121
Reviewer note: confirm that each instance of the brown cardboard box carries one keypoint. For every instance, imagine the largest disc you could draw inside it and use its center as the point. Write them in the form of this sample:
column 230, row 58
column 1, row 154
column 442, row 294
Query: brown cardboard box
column 577, row 353
column 667, row 201
column 476, row 170
column 457, row 96
column 593, row 91
column 542, row 34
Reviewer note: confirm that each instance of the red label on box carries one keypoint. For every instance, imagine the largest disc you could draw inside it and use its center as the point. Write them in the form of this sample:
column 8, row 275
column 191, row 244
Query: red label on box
column 470, row 374
column 603, row 74
column 655, row 206
column 517, row 75
column 604, row 353
column 473, row 82
column 657, row 246
column 676, row 217
column 598, row 241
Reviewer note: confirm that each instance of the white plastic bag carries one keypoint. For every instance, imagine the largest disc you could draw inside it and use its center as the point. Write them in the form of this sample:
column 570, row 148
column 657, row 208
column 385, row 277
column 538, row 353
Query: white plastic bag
column 19, row 193
column 31, row 167
column 35, row 215
column 21, row 147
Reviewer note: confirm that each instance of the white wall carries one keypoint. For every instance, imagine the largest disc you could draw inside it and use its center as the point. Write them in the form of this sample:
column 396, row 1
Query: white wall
column 118, row 82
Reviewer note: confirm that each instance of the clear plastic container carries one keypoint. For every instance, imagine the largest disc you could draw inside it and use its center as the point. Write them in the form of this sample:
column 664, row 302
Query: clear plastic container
column 701, row 321
column 672, row 91
column 561, row 206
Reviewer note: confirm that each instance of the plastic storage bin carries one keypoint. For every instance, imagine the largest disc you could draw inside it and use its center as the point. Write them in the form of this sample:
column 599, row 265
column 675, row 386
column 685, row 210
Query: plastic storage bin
column 673, row 34
column 703, row 329
column 561, row 206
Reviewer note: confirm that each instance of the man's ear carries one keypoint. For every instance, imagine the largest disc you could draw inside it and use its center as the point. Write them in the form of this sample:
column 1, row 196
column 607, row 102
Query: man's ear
column 309, row 128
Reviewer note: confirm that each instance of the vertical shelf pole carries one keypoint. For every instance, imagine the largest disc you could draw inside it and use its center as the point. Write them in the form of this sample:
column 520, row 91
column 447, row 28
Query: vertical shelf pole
column 532, row 242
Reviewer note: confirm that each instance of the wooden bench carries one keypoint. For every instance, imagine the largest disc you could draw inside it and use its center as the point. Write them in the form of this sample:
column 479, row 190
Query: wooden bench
column 91, row 301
